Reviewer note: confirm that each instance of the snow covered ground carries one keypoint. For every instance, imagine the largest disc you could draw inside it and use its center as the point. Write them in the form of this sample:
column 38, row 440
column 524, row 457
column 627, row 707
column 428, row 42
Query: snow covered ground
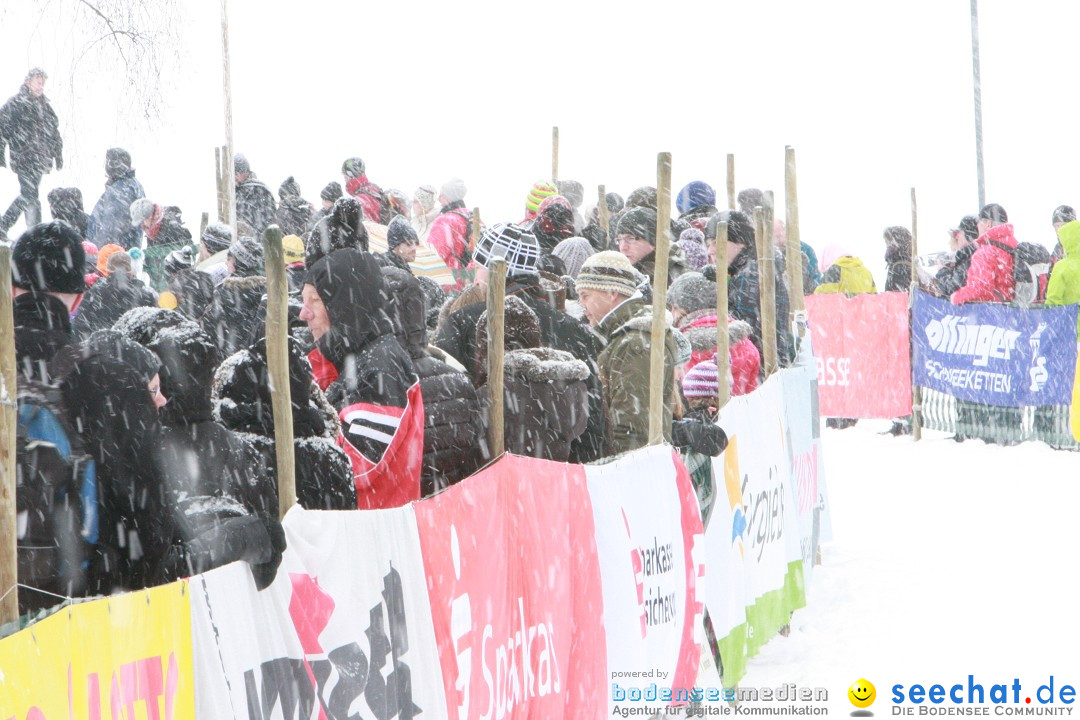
column 947, row 560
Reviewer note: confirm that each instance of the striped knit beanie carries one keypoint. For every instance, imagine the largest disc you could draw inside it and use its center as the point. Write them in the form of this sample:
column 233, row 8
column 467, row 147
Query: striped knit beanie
column 701, row 381
column 540, row 190
column 609, row 271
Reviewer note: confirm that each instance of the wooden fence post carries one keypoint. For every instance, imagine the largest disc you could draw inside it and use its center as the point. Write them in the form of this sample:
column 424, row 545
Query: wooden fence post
column 794, row 240
column 603, row 216
column 731, row 181
column 916, row 391
column 555, row 155
column 277, row 360
column 496, row 300
column 723, row 349
column 659, row 300
column 9, row 556
column 766, row 287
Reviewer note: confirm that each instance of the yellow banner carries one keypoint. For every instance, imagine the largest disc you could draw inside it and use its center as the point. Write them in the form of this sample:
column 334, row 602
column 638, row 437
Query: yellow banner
column 126, row 656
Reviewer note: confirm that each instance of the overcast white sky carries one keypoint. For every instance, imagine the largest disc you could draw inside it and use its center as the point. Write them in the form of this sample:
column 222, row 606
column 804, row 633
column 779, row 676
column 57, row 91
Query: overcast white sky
column 874, row 95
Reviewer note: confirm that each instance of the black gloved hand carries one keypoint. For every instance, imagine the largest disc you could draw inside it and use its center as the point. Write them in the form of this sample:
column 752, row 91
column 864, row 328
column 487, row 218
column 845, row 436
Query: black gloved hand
column 265, row 571
column 705, row 438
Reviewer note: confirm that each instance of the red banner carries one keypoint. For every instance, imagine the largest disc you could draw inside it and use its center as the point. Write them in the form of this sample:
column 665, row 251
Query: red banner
column 515, row 592
column 863, row 354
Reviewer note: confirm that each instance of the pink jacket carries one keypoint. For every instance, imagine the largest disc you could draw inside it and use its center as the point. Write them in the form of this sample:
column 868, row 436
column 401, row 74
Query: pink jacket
column 700, row 329
column 449, row 235
column 990, row 275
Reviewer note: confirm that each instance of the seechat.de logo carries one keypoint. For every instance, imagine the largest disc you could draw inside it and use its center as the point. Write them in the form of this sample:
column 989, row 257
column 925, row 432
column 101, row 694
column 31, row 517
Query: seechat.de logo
column 862, row 695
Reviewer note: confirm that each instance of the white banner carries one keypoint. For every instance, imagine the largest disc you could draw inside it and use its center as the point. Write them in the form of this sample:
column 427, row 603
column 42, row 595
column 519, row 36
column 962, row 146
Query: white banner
column 650, row 547
column 344, row 631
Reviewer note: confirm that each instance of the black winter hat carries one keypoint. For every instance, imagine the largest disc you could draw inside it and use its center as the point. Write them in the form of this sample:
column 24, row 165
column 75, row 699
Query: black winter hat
column 188, row 360
column 1063, row 214
column 217, row 237
column 614, row 202
column 342, row 228
column 994, row 213
column 247, row 255
column 639, row 222
column 289, row 188
column 241, row 164
column 182, row 259
column 332, row 192
column 969, row 225
column 117, row 162
column 142, row 324
column 49, row 257
column 740, row 227
column 114, row 345
column 642, row 197
column 521, row 326
column 400, row 231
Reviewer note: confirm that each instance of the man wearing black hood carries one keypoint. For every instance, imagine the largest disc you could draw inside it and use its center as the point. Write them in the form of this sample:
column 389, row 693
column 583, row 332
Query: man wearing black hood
column 255, row 203
column 294, row 214
column 111, row 297
column 343, row 298
column 232, row 317
column 110, row 221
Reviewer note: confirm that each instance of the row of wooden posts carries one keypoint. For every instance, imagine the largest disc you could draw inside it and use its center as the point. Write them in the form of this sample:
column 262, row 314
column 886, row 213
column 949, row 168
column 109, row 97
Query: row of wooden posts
column 277, row 331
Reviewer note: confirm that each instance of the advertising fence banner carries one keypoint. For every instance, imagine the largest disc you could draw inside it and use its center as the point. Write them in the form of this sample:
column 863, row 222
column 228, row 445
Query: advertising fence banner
column 995, row 354
column 123, row 656
column 863, row 354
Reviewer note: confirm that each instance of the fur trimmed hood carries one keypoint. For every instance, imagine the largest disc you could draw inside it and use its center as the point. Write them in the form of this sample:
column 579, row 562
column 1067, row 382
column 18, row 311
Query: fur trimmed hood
column 545, row 365
column 251, row 282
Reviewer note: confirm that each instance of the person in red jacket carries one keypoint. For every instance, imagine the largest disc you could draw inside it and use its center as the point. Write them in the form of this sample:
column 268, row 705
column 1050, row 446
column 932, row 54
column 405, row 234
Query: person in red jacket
column 990, row 275
column 357, row 184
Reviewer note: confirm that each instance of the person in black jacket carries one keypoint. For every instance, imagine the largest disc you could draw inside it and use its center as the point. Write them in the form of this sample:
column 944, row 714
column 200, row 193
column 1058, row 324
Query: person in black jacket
column 201, row 458
column 109, row 221
column 147, row 535
column 342, row 228
column 744, row 282
column 401, row 244
column 232, row 317
column 111, row 297
column 242, row 402
column 452, row 433
column 344, row 298
column 255, row 203
column 953, row 276
column 897, row 259
column 545, row 401
column 457, row 335
column 294, row 213
column 29, row 126
column 67, row 204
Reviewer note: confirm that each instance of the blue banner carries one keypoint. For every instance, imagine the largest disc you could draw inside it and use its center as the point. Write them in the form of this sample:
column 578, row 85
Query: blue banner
column 995, row 354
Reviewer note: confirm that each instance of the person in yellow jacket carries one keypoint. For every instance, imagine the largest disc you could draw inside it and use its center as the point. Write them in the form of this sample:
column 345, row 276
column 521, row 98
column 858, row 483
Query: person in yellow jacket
column 1064, row 286
column 844, row 273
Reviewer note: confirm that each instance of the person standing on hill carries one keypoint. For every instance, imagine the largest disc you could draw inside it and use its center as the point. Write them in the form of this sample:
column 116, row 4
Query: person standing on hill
column 29, row 127
column 108, row 222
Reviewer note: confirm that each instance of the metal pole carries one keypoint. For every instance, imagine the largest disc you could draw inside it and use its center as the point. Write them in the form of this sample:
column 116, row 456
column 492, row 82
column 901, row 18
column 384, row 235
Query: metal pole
column 916, row 391
column 977, row 80
column 496, row 300
column 657, row 388
column 9, row 555
column 277, row 360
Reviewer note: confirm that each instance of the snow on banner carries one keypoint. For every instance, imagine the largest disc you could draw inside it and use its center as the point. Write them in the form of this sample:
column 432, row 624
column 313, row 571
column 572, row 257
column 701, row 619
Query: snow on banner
column 755, row 577
column 343, row 631
column 863, row 355
column 515, row 588
column 651, row 548
column 127, row 655
column 995, row 354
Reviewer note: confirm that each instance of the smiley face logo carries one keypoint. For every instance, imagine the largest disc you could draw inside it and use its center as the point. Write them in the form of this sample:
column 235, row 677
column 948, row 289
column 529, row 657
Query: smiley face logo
column 862, row 693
